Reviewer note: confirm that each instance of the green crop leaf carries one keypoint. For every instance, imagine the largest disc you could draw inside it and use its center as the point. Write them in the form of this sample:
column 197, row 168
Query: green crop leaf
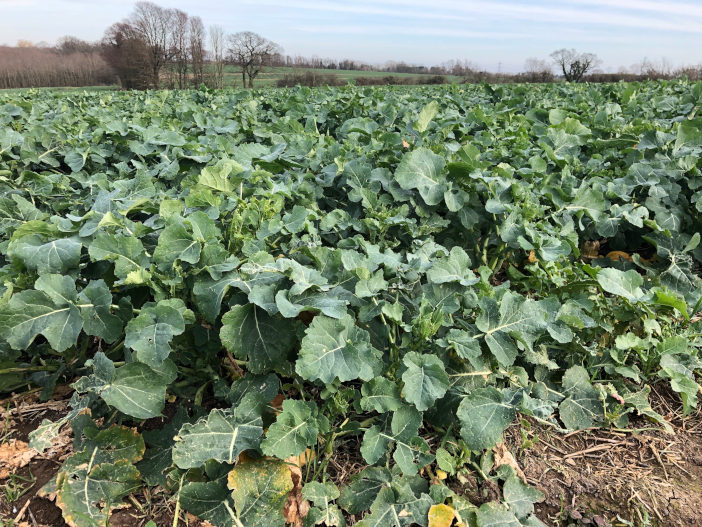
column 209, row 502
column 295, row 429
column 520, row 497
column 514, row 314
column 484, row 415
column 79, row 494
column 324, row 512
column 425, row 380
column 582, row 405
column 219, row 177
column 689, row 134
column 95, row 301
column 176, row 243
column 33, row 312
column 222, row 435
column 426, row 116
column 411, row 452
column 250, row 332
column 57, row 256
column 394, row 509
column 43, row 437
column 370, row 287
column 496, row 515
column 337, row 349
column 134, row 389
column 381, row 395
column 149, row 334
column 127, row 252
column 421, row 170
column 360, row 494
column 625, row 284
column 453, row 268
column 260, row 491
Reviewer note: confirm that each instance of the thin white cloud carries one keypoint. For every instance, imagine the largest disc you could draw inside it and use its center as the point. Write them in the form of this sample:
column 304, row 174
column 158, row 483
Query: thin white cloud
column 411, row 31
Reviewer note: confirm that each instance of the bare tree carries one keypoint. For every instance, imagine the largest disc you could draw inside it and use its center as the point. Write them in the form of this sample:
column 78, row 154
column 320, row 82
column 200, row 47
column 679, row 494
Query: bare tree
column 252, row 53
column 68, row 45
column 538, row 70
column 575, row 65
column 154, row 25
column 217, row 49
column 180, row 46
column 197, row 49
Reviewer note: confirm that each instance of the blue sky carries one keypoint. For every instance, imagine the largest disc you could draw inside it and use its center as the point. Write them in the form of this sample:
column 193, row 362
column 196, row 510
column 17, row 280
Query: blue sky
column 621, row 32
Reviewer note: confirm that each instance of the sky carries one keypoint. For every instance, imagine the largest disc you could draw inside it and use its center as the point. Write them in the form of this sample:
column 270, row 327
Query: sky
column 495, row 35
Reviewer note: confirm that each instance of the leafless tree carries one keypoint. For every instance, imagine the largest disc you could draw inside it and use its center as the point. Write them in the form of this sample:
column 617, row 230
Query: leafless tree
column 252, row 53
column 197, row 49
column 180, row 47
column 574, row 65
column 154, row 25
column 68, row 45
column 538, row 70
column 217, row 50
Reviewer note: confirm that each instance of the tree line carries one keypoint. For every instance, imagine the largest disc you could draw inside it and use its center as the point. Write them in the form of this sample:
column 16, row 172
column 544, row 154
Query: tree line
column 157, row 47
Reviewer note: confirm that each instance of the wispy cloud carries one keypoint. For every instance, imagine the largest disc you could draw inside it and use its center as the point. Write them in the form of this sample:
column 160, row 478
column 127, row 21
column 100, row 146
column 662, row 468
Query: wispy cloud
column 422, row 31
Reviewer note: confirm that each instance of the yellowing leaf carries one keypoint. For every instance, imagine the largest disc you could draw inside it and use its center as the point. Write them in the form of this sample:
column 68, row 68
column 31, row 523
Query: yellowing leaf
column 441, row 516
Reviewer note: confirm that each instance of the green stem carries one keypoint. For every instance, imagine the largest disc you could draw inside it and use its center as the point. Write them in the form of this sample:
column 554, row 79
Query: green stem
column 200, row 392
column 28, row 369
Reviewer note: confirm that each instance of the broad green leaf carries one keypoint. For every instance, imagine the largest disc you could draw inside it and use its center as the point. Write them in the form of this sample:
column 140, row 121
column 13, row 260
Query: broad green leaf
column 425, row 380
column 31, row 313
column 496, row 515
column 79, row 495
column 43, row 437
column 639, row 401
column 260, row 491
column 322, row 495
column 209, row 502
column 625, row 284
column 57, row 256
column 421, row 170
column 127, row 253
column 134, row 389
column 520, row 497
column 222, row 435
column 391, row 510
column 426, row 116
column 514, row 313
column 95, row 301
column 360, row 494
column 453, row 268
column 218, row 177
column 689, row 134
column 149, row 334
column 411, row 452
column 381, row 395
column 484, row 415
column 176, row 243
column 582, row 405
column 250, row 332
column 337, row 349
column 295, row 429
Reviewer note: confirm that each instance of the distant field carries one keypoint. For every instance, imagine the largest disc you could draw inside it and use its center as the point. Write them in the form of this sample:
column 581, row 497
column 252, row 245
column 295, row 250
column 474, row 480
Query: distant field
column 269, row 78
column 232, row 78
